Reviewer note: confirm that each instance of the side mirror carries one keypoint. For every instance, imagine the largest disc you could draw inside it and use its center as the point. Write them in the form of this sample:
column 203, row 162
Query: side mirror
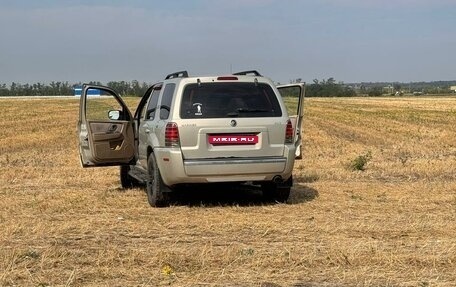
column 114, row 115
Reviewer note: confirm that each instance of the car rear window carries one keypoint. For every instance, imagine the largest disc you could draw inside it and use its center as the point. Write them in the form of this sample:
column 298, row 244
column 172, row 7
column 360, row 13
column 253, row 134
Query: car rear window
column 227, row 100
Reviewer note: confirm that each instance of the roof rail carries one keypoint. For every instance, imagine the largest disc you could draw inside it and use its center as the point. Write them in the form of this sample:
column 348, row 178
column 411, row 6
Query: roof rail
column 181, row 74
column 245, row 73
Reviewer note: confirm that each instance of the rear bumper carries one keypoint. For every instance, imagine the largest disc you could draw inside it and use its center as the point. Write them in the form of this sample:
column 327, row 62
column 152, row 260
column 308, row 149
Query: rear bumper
column 174, row 170
column 233, row 166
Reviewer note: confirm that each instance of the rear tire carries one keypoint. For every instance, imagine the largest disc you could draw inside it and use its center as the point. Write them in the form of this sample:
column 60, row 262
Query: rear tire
column 126, row 180
column 274, row 192
column 158, row 194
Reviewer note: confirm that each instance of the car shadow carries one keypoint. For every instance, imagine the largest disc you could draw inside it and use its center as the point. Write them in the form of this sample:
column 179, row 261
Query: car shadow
column 216, row 195
column 301, row 193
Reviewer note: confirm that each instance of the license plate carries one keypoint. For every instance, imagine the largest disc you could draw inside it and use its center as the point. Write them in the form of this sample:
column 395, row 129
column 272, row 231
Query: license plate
column 233, row 139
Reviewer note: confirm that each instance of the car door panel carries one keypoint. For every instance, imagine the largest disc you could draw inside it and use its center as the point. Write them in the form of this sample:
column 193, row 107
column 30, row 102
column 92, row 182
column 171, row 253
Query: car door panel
column 109, row 141
column 293, row 97
column 105, row 141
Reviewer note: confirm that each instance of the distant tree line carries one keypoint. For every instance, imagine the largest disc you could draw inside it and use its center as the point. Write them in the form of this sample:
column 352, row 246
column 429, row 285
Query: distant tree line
column 323, row 88
column 413, row 88
column 329, row 88
column 124, row 88
column 133, row 88
column 37, row 89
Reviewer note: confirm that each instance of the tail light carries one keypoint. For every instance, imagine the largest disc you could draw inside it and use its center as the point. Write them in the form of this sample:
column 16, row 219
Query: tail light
column 289, row 133
column 171, row 135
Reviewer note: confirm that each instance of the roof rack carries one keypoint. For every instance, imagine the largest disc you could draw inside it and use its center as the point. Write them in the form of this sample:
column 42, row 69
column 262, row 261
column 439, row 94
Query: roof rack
column 181, row 74
column 245, row 73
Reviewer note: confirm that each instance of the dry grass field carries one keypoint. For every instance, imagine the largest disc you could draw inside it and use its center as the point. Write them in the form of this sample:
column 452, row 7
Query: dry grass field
column 374, row 204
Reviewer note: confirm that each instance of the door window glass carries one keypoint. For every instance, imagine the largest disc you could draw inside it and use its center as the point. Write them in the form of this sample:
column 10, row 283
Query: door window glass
column 166, row 100
column 152, row 104
column 141, row 112
column 290, row 96
column 99, row 103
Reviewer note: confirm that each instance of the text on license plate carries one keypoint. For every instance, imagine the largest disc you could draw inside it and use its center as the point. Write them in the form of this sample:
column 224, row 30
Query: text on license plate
column 232, row 139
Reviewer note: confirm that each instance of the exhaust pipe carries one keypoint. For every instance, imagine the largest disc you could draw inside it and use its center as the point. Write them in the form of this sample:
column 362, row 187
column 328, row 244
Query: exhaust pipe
column 277, row 179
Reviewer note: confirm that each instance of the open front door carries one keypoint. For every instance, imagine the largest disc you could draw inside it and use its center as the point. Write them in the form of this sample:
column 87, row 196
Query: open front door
column 105, row 128
column 293, row 97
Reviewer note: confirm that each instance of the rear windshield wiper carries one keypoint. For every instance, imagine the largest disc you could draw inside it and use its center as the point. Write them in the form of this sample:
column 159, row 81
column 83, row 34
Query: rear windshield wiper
column 242, row 110
column 245, row 111
column 233, row 114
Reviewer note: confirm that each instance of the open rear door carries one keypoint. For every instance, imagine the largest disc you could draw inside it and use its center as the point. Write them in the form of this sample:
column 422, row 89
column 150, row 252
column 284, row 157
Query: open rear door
column 105, row 128
column 293, row 97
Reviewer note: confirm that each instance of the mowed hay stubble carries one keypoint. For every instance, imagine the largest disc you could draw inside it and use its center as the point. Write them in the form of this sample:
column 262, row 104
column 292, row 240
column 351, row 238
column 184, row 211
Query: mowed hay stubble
column 390, row 224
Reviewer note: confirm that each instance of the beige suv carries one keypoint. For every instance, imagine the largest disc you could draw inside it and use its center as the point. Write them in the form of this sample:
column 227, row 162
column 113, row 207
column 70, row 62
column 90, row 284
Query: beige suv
column 237, row 128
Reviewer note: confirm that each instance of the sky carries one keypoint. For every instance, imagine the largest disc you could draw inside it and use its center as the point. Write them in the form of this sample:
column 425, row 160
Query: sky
column 348, row 40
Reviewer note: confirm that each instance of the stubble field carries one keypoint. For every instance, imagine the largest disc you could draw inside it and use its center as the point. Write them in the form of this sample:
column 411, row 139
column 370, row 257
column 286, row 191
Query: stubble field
column 391, row 224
